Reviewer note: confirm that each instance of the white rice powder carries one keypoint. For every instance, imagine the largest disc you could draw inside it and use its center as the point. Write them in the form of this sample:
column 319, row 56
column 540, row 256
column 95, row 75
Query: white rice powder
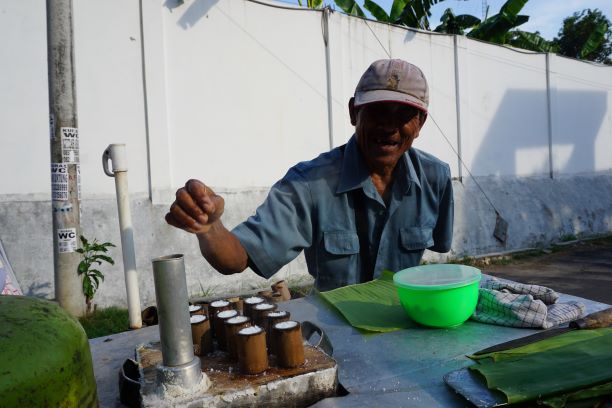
column 237, row 319
column 250, row 330
column 220, row 303
column 279, row 313
column 286, row 325
column 227, row 314
column 253, row 299
column 193, row 308
column 264, row 306
column 197, row 319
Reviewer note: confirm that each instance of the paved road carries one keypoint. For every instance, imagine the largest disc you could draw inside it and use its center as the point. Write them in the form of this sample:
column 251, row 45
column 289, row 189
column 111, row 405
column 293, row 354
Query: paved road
column 583, row 269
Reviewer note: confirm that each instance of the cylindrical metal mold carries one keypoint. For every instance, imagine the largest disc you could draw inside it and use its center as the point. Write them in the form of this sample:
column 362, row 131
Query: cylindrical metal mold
column 172, row 301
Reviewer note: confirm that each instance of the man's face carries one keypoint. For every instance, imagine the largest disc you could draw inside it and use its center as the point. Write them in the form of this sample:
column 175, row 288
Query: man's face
column 385, row 130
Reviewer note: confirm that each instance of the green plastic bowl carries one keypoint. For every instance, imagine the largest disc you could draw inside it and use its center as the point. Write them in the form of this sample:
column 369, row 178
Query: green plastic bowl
column 438, row 295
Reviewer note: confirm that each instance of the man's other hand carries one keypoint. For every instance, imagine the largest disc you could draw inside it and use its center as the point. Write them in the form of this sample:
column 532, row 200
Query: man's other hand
column 196, row 208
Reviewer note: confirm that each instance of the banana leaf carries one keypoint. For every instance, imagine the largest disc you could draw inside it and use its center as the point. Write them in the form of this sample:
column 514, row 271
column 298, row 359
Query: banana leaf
column 551, row 369
column 373, row 306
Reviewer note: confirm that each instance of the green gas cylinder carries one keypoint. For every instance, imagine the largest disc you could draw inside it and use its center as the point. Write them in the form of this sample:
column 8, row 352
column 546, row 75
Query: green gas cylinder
column 44, row 356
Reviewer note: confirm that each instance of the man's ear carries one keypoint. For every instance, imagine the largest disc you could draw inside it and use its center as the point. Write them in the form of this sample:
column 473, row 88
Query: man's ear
column 352, row 111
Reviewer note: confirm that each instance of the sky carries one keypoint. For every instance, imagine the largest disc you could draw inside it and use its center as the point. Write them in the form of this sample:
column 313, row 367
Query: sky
column 545, row 16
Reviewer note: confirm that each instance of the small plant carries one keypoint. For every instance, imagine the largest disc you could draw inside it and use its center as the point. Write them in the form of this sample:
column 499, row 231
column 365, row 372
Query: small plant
column 567, row 238
column 93, row 254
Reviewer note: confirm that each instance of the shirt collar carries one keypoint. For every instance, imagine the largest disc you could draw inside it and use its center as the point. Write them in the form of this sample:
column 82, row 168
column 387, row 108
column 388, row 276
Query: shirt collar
column 354, row 172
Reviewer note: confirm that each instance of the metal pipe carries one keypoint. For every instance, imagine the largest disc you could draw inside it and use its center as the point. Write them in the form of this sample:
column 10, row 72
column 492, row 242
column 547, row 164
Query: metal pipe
column 181, row 372
column 330, row 100
column 116, row 153
column 173, row 310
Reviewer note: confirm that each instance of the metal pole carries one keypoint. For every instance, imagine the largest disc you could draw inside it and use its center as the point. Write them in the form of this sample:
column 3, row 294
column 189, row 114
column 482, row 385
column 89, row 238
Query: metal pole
column 118, row 157
column 65, row 172
column 330, row 99
column 458, row 106
column 549, row 117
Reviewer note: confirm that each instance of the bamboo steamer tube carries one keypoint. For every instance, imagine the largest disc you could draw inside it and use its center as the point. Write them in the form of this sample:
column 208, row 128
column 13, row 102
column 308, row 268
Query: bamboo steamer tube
column 250, row 302
column 232, row 327
column 196, row 310
column 271, row 319
column 221, row 317
column 200, row 334
column 260, row 310
column 237, row 304
column 214, row 308
column 289, row 344
column 251, row 347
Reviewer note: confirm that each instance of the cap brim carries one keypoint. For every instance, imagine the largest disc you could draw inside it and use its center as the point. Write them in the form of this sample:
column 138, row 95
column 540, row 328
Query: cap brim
column 383, row 95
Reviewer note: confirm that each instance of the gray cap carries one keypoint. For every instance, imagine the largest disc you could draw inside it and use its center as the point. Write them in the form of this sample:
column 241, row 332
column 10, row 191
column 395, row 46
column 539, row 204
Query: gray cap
column 393, row 80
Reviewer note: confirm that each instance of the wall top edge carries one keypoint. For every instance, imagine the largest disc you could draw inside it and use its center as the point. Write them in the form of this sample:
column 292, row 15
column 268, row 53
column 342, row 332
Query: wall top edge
column 281, row 5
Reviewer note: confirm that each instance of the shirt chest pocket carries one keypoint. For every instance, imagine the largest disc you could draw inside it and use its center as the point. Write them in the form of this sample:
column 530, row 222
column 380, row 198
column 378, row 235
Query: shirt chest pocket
column 341, row 242
column 416, row 238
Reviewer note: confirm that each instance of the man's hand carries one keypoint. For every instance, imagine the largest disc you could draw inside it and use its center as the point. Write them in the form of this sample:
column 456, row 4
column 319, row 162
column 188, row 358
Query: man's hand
column 196, row 208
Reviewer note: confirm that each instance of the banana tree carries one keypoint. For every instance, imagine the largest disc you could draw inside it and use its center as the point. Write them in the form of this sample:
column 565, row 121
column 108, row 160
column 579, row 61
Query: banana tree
column 411, row 13
column 496, row 28
column 452, row 24
column 312, row 4
column 530, row 41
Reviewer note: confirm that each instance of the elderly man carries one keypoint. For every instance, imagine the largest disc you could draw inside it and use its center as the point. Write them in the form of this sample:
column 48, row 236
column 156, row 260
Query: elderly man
column 374, row 203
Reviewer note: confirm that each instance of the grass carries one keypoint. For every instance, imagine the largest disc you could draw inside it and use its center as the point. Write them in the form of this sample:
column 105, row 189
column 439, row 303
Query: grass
column 105, row 321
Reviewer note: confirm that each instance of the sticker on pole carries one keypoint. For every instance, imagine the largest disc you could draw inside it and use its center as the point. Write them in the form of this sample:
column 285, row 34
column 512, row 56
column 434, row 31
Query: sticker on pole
column 66, row 240
column 70, row 144
column 59, row 181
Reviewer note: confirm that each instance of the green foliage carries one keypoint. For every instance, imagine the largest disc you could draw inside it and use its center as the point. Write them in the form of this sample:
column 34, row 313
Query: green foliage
column 496, row 28
column 416, row 13
column 586, row 35
column 377, row 11
column 312, row 4
column 452, row 24
column 530, row 41
column 105, row 321
column 93, row 254
column 350, row 7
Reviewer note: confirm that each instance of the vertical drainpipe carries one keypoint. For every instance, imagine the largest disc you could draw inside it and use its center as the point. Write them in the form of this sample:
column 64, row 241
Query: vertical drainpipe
column 458, row 106
column 330, row 121
column 549, row 117
column 116, row 153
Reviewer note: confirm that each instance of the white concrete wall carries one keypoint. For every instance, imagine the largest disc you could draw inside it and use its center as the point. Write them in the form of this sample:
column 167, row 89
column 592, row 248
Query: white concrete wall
column 24, row 113
column 581, row 116
column 234, row 92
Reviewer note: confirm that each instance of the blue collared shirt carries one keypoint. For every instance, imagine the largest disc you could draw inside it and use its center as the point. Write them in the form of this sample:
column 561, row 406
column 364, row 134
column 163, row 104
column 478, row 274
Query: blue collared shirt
column 312, row 209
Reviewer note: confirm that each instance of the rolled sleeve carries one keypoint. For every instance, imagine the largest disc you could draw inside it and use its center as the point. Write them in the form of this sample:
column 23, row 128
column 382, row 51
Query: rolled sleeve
column 281, row 227
column 443, row 230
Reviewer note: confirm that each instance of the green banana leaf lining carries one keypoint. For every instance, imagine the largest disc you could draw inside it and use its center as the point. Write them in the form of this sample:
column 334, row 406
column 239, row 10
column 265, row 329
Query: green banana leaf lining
column 373, row 306
column 570, row 367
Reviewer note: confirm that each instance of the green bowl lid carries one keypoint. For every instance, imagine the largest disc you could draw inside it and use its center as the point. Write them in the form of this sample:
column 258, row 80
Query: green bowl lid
column 436, row 276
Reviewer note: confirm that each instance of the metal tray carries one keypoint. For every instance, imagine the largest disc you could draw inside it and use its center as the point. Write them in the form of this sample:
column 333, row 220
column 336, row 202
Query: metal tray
column 471, row 386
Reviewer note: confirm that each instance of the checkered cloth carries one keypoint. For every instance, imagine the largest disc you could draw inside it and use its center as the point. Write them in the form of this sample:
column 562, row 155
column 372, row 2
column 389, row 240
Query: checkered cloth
column 518, row 305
